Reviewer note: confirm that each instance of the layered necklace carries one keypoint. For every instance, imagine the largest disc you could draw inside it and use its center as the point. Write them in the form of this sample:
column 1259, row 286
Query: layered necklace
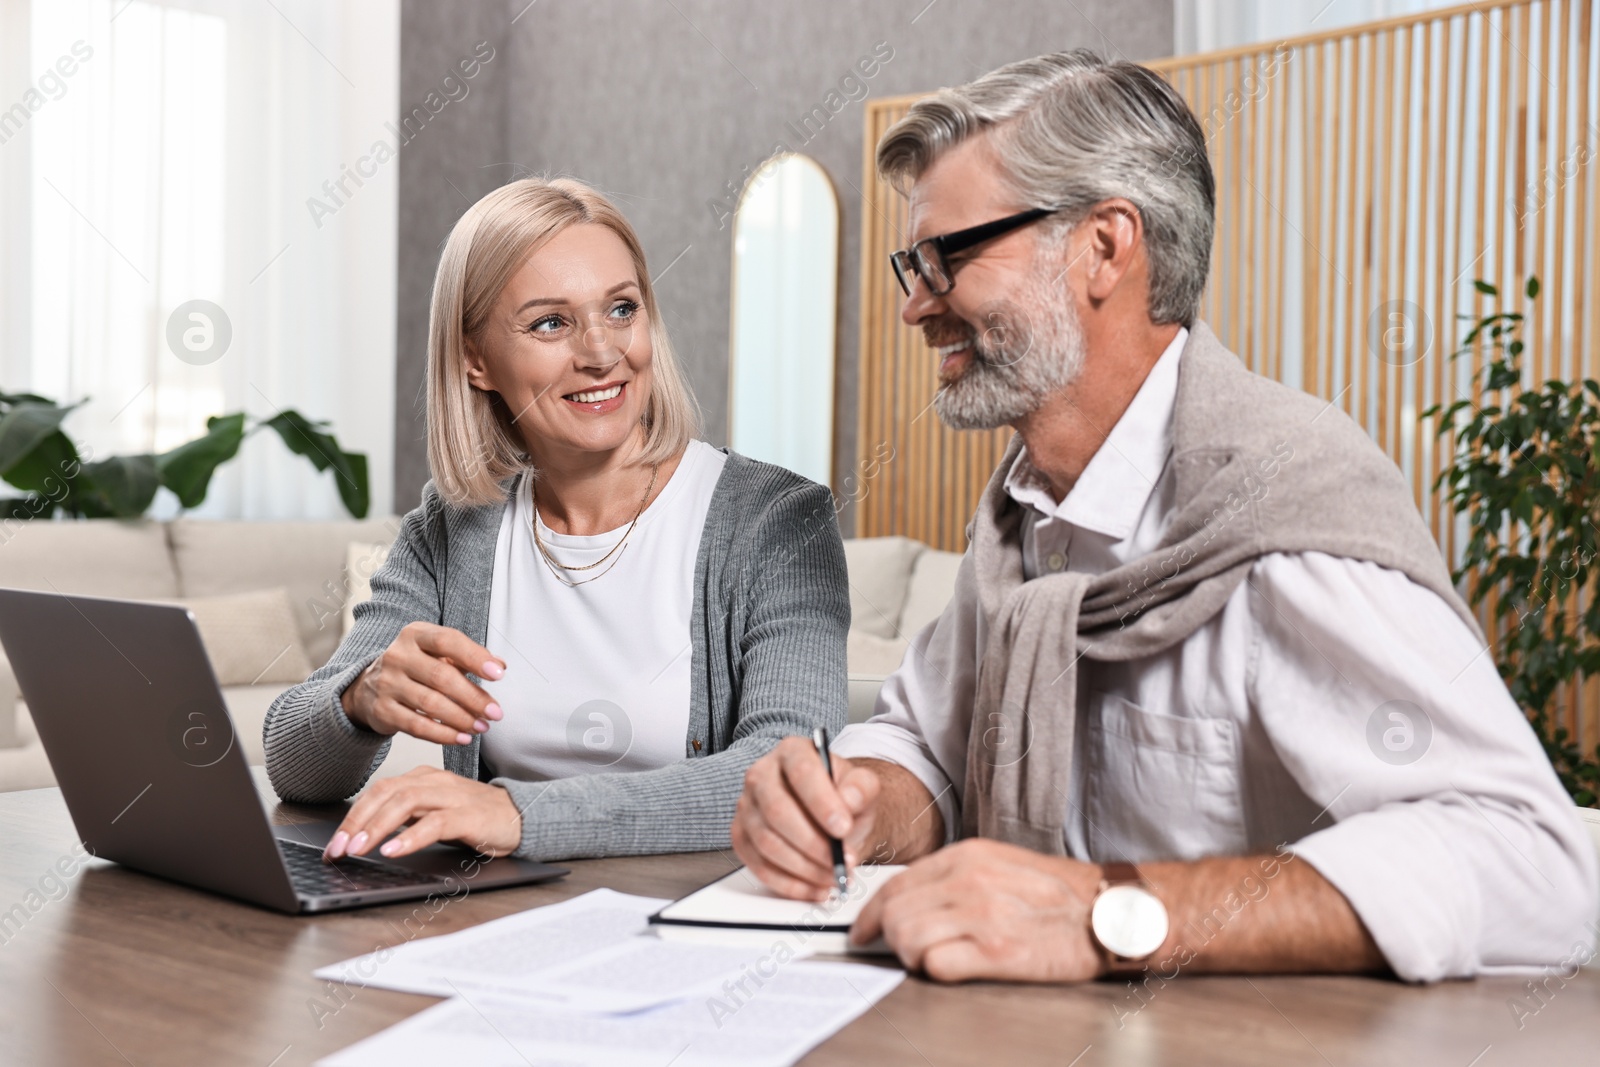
column 614, row 554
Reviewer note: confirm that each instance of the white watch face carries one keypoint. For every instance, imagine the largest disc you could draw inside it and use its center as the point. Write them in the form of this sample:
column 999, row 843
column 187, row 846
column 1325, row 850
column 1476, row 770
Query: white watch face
column 1129, row 920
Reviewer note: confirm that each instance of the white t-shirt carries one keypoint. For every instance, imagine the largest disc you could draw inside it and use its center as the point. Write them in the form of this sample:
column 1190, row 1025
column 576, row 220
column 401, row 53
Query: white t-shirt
column 597, row 675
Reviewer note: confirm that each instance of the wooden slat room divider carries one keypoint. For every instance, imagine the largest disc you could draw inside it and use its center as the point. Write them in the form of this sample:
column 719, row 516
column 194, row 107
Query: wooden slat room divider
column 1365, row 176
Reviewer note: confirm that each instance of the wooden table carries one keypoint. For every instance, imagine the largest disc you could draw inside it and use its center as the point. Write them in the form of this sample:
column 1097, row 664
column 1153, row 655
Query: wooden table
column 126, row 969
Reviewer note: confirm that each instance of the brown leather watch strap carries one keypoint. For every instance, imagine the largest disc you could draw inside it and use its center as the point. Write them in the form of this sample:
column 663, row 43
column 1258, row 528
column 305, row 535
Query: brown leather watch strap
column 1118, row 872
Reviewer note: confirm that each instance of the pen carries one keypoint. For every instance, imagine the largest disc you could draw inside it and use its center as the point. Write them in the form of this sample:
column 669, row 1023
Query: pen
column 820, row 737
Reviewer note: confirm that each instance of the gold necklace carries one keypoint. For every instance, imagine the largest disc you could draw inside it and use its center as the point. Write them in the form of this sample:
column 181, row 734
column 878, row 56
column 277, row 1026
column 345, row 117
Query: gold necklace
column 617, row 549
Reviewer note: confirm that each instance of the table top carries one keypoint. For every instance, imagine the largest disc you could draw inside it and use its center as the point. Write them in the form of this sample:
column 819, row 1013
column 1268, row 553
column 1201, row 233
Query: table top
column 124, row 969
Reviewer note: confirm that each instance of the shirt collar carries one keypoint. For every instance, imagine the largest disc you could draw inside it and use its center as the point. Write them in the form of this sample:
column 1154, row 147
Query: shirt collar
column 1114, row 488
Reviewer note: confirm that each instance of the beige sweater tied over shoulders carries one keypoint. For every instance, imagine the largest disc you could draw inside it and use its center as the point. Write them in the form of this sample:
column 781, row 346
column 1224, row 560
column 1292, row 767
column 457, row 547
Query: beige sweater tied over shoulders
column 1259, row 468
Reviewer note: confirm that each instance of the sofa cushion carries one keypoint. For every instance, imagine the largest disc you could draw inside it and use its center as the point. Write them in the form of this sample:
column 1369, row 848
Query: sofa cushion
column 880, row 572
column 247, row 708
column 863, row 697
column 361, row 560
column 8, row 703
column 126, row 558
column 216, row 556
column 869, row 655
column 933, row 583
column 250, row 638
column 871, row 660
column 25, row 766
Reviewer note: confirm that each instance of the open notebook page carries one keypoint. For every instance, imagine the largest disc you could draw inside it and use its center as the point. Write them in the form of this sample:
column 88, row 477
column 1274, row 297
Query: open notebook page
column 740, row 900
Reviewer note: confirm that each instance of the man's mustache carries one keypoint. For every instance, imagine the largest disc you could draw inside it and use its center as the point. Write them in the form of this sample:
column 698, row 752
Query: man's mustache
column 983, row 350
column 989, row 347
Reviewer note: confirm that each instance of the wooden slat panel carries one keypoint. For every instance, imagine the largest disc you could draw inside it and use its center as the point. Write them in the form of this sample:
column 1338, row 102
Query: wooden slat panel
column 1311, row 192
column 1352, row 213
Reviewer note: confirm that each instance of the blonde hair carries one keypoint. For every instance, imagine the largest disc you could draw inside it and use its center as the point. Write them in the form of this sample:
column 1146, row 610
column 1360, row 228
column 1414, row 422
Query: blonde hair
column 473, row 444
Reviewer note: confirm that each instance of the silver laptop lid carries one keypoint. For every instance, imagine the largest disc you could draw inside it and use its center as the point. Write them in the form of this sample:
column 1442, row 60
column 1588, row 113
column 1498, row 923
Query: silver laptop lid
column 136, row 730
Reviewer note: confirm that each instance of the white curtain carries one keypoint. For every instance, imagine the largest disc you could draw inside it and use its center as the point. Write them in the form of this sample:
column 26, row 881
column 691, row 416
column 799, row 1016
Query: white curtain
column 1207, row 25
column 169, row 154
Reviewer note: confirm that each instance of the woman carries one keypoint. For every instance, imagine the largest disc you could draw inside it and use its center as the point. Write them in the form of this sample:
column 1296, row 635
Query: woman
column 602, row 619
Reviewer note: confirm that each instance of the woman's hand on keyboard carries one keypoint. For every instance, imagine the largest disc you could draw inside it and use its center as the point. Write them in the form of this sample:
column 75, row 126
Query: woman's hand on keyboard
column 439, row 806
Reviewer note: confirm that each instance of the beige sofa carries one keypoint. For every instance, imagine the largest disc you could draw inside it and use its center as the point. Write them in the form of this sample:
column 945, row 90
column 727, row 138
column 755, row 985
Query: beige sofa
column 205, row 563
column 1591, row 819
column 897, row 586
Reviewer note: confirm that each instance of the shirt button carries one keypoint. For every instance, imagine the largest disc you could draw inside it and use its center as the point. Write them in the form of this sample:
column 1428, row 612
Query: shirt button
column 1055, row 561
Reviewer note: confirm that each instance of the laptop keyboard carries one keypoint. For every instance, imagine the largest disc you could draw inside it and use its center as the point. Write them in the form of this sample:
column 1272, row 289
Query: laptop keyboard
column 312, row 876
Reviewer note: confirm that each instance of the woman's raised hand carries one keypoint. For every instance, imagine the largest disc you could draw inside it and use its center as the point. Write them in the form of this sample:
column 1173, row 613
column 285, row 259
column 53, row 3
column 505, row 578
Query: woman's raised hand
column 418, row 685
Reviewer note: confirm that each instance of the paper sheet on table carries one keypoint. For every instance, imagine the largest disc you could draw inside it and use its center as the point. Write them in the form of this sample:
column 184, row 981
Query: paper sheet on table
column 636, row 974
column 514, row 948
column 583, row 954
column 770, row 1025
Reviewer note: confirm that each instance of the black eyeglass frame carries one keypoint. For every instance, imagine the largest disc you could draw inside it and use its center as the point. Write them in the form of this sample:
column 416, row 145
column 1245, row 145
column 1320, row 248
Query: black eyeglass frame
column 915, row 259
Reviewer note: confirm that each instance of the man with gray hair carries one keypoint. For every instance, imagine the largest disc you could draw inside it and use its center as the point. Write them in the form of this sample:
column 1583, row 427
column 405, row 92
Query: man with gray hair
column 1205, row 698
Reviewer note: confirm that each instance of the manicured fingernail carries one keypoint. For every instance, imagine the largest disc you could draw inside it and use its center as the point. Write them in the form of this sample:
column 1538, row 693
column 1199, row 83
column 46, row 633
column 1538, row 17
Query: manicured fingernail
column 852, row 796
column 463, row 739
column 337, row 845
column 479, row 726
column 358, row 843
column 494, row 712
column 492, row 670
column 838, row 825
column 390, row 847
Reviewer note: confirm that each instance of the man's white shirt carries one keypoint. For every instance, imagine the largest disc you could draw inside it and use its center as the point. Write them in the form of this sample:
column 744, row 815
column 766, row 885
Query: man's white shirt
column 1333, row 706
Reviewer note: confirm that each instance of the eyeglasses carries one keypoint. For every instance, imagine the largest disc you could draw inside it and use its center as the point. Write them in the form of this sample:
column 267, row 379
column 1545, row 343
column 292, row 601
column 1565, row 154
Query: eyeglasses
column 928, row 258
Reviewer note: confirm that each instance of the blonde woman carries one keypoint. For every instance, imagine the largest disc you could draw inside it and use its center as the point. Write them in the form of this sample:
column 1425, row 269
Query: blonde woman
column 603, row 620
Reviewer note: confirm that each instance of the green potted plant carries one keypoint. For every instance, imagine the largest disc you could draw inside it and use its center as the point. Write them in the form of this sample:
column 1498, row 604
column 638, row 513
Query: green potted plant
column 38, row 458
column 1525, row 470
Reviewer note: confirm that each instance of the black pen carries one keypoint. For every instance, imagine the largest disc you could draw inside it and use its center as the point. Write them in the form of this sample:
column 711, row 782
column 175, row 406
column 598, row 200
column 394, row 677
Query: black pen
column 819, row 736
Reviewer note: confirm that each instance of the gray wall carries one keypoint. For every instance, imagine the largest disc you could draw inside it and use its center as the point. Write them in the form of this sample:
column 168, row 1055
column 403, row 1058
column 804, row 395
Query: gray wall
column 447, row 165
column 661, row 103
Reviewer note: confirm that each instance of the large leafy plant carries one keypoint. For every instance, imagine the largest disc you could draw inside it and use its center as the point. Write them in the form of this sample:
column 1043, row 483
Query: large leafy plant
column 37, row 457
column 1526, row 472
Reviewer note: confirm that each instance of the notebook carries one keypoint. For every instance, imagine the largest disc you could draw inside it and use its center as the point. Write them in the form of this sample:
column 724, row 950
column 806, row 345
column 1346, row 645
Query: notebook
column 738, row 910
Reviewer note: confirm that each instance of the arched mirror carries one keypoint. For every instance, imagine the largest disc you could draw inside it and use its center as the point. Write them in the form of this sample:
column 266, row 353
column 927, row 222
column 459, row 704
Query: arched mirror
column 785, row 306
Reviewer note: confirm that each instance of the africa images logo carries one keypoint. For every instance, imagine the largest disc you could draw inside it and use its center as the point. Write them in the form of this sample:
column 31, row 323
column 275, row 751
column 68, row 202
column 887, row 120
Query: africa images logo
column 1399, row 732
column 200, row 733
column 199, row 332
column 599, row 732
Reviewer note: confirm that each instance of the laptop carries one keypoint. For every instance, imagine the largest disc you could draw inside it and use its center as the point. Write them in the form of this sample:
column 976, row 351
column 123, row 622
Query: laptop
column 137, row 732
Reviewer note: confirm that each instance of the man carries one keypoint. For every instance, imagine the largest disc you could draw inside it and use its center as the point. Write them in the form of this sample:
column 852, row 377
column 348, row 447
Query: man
column 1205, row 698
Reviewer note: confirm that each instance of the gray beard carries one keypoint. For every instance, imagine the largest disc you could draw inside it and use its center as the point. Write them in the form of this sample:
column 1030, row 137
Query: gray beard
column 1019, row 361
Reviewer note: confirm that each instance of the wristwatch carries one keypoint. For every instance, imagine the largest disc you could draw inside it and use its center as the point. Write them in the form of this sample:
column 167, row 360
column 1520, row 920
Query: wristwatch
column 1127, row 920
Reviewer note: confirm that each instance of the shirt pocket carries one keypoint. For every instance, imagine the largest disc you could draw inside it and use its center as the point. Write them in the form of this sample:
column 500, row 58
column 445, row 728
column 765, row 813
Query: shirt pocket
column 1160, row 787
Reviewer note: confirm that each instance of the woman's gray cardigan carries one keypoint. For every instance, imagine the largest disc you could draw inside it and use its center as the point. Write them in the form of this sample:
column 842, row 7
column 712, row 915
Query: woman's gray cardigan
column 770, row 615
